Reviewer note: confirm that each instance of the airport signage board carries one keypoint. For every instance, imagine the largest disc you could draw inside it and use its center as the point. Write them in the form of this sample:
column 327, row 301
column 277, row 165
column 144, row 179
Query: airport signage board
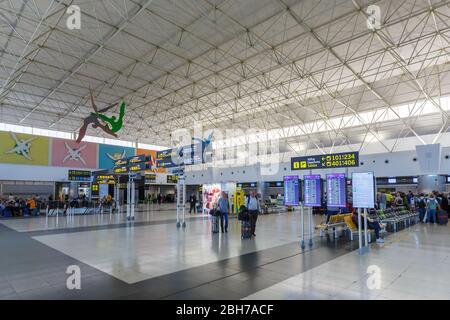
column 150, row 178
column 186, row 155
column 172, row 178
column 325, row 161
column 80, row 175
column 291, row 190
column 105, row 179
column 120, row 170
column 363, row 188
column 137, row 167
column 275, row 184
column 397, row 180
column 312, row 190
column 336, row 190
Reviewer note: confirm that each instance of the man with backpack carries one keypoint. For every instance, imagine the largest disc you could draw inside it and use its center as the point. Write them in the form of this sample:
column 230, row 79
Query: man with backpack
column 422, row 205
column 432, row 208
column 253, row 207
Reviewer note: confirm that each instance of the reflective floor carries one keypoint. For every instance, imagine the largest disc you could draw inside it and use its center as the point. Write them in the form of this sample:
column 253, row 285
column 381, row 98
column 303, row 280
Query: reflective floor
column 151, row 259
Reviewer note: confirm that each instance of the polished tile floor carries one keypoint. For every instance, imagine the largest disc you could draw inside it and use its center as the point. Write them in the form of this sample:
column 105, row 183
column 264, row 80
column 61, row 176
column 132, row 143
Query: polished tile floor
column 412, row 264
column 152, row 259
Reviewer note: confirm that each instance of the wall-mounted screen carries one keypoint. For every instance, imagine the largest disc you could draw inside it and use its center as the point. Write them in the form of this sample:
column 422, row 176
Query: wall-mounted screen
column 79, row 175
column 363, row 187
column 291, row 190
column 312, row 190
column 392, row 180
column 336, row 190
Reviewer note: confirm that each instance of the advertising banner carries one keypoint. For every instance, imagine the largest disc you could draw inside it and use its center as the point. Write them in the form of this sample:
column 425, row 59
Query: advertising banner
column 211, row 193
column 17, row 148
column 108, row 154
column 151, row 154
column 68, row 153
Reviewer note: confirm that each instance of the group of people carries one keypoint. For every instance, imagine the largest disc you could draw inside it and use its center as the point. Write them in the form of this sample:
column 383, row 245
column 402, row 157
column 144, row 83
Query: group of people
column 159, row 198
column 428, row 205
column 252, row 204
column 14, row 206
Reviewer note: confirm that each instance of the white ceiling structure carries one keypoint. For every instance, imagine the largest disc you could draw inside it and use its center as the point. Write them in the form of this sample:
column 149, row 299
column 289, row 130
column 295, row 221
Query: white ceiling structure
column 310, row 72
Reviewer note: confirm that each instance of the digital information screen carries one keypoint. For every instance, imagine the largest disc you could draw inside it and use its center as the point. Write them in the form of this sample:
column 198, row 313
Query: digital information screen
column 291, row 190
column 363, row 187
column 336, row 190
column 172, row 179
column 336, row 160
column 150, row 178
column 79, row 175
column 312, row 190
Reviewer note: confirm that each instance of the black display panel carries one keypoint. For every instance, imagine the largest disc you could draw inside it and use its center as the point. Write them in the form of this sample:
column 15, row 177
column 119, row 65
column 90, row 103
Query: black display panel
column 80, row 175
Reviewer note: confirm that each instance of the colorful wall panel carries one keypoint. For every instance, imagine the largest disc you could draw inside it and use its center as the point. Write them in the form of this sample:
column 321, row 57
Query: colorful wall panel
column 20, row 148
column 68, row 153
column 107, row 154
column 152, row 153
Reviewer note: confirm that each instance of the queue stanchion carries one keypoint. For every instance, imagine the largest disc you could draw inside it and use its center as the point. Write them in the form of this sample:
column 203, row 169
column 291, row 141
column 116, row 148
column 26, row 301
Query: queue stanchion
column 302, row 226
column 366, row 241
column 310, row 226
column 359, row 232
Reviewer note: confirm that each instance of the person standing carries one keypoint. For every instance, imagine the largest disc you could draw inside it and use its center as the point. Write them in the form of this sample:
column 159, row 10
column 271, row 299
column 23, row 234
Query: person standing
column 422, row 205
column 223, row 204
column 253, row 207
column 383, row 200
column 432, row 207
column 192, row 202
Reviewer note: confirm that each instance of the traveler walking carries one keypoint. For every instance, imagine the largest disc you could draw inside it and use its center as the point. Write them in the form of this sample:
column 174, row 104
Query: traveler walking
column 223, row 205
column 254, row 208
column 192, row 202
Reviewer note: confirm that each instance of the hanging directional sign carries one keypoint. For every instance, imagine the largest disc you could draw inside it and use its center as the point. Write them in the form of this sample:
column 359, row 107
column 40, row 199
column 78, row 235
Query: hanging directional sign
column 324, row 161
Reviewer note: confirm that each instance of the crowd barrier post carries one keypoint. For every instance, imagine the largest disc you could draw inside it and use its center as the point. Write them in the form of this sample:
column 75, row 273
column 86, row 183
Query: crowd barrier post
column 302, row 226
column 366, row 242
column 359, row 232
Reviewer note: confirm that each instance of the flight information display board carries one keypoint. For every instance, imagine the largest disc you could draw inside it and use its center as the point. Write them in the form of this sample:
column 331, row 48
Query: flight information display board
column 336, row 190
column 79, row 175
column 363, row 187
column 291, row 190
column 325, row 161
column 312, row 190
column 150, row 178
column 172, row 179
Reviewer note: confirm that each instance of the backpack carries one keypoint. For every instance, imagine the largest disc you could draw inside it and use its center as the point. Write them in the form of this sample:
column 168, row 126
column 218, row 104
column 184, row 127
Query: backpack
column 243, row 214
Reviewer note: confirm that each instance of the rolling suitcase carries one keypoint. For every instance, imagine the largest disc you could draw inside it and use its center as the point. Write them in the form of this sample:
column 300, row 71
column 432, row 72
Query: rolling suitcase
column 442, row 217
column 246, row 230
column 215, row 224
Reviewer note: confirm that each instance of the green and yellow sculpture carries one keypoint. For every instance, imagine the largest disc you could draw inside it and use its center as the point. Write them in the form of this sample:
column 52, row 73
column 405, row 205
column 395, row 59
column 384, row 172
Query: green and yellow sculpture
column 98, row 120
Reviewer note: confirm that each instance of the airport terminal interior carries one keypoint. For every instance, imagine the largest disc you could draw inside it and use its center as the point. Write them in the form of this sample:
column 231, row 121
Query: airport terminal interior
column 224, row 150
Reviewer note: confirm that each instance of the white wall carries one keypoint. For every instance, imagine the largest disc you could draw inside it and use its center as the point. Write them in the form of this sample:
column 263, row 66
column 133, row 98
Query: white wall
column 399, row 164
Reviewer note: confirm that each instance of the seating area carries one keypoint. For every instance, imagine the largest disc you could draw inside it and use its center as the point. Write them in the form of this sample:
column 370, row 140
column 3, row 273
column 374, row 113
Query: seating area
column 395, row 219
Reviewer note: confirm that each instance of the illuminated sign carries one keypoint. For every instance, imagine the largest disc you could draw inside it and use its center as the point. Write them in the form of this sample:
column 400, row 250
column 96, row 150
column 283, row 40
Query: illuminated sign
column 291, row 190
column 150, row 178
column 119, row 170
column 121, row 162
column 137, row 159
column 137, row 167
column 79, row 175
column 337, row 160
column 105, row 179
column 336, row 190
column 172, row 179
column 363, row 188
column 313, row 191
